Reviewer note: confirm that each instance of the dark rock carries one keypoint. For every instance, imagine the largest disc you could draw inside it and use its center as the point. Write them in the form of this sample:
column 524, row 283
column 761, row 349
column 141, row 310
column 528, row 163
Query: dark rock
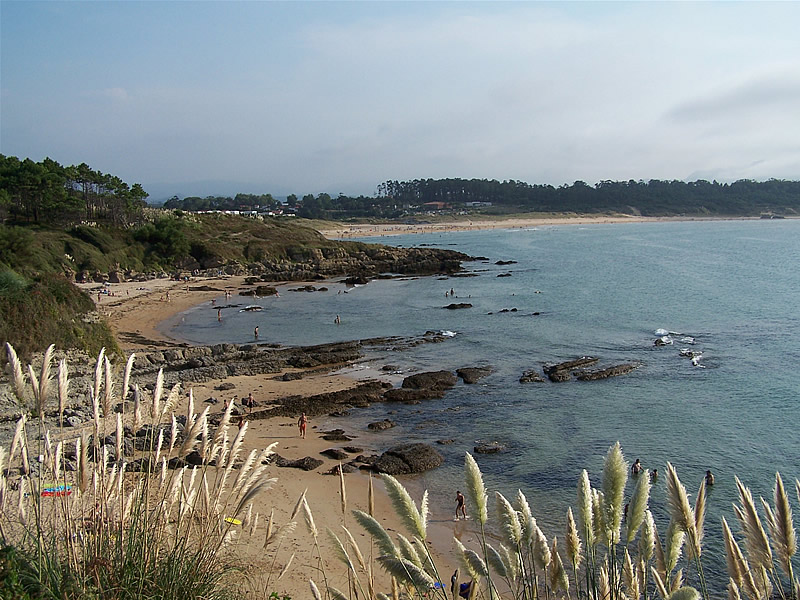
column 445, row 442
column 457, row 305
column 381, row 425
column 430, row 380
column 345, row 468
column 561, row 371
column 531, row 376
column 339, row 413
column 473, row 374
column 504, row 275
column 337, row 435
column 614, row 371
column 408, row 458
column 505, row 262
column 335, row 453
column 291, row 376
column 489, row 448
column 211, row 400
column 225, row 386
column 352, row 449
column 306, row 464
column 73, row 421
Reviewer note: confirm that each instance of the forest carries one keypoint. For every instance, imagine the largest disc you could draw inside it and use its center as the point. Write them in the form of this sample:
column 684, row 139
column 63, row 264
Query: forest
column 49, row 193
column 401, row 199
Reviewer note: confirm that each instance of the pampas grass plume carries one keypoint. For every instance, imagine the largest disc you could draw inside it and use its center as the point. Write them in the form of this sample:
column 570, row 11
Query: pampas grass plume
column 784, row 534
column 637, row 507
column 126, row 378
column 755, row 537
column 615, row 476
column 476, row 489
column 509, row 521
column 44, row 380
column 63, row 388
column 108, row 394
column 407, row 572
column 314, row 590
column 572, row 540
column 585, row 512
column 405, row 508
column 647, row 539
column 527, row 521
column 376, row 530
column 680, row 509
column 16, row 373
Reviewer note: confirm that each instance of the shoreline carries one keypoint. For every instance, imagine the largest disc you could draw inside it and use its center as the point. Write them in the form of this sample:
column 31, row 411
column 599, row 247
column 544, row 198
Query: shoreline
column 359, row 230
column 136, row 311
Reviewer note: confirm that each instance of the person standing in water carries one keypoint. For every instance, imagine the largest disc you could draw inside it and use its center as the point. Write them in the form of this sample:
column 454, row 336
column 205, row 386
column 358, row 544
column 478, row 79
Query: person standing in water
column 460, row 505
column 255, row 332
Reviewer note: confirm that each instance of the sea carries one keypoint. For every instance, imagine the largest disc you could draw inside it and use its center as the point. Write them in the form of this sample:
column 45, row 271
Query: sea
column 728, row 292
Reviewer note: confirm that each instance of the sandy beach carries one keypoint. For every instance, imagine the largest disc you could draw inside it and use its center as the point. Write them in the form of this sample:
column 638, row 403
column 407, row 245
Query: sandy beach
column 386, row 229
column 135, row 310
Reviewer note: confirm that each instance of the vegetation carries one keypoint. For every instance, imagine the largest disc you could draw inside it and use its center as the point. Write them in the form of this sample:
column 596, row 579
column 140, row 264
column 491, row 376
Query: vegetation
column 396, row 199
column 102, row 523
column 603, row 557
column 47, row 192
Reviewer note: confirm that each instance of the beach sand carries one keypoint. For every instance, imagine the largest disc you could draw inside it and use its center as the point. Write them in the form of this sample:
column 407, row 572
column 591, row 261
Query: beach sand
column 134, row 311
column 386, row 229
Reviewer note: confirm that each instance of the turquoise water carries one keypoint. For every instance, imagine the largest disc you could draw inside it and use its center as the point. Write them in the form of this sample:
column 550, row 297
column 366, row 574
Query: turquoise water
column 600, row 290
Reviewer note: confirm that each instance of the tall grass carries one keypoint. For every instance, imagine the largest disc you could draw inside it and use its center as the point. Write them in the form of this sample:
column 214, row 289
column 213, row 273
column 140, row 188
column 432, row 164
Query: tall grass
column 514, row 559
column 84, row 520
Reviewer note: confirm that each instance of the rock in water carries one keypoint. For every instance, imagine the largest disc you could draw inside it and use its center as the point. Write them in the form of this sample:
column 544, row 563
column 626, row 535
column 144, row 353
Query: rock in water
column 408, row 458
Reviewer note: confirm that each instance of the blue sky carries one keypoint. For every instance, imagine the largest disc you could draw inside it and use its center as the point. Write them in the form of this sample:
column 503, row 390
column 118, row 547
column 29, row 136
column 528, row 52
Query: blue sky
column 304, row 97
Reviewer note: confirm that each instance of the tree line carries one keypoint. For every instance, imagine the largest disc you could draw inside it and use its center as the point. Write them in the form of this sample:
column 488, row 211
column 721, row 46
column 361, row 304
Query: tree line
column 49, row 193
column 396, row 199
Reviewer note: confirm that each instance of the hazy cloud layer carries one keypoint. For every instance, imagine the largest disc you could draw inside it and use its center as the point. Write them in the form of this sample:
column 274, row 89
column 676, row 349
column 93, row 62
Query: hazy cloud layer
column 310, row 97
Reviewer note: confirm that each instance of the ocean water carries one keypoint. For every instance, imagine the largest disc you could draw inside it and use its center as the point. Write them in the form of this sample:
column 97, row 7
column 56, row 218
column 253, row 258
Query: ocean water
column 599, row 290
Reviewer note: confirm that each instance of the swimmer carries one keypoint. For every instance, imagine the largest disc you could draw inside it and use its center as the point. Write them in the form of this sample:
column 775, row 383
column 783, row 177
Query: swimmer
column 709, row 478
column 636, row 467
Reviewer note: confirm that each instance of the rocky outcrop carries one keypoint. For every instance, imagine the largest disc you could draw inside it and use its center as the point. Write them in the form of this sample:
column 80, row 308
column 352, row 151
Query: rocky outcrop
column 473, row 374
column 307, row 463
column 614, row 371
column 381, row 425
column 562, row 371
column 489, row 448
column 458, row 305
column 531, row 376
column 422, row 386
column 408, row 458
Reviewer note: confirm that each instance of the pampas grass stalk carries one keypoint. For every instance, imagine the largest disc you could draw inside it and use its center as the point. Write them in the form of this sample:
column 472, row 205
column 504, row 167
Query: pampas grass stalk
column 476, row 489
column 637, row 507
column 44, row 380
column 412, row 517
column 17, row 378
column 755, row 537
column 63, row 389
column 615, row 476
column 509, row 521
column 378, row 533
column 783, row 534
column 108, row 390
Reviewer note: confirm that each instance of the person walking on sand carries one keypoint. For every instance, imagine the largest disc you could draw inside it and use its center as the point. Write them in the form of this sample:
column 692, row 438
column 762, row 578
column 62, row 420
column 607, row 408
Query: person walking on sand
column 301, row 424
column 460, row 505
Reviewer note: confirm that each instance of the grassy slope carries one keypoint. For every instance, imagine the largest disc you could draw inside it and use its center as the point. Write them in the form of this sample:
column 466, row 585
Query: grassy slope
column 36, row 265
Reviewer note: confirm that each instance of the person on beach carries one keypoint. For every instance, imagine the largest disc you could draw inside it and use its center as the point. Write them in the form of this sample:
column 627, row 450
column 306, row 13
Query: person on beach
column 301, row 425
column 460, row 505
column 251, row 401
column 636, row 468
column 709, row 478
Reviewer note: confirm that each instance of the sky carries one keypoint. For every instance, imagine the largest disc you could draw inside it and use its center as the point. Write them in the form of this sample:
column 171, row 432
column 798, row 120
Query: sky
column 202, row 98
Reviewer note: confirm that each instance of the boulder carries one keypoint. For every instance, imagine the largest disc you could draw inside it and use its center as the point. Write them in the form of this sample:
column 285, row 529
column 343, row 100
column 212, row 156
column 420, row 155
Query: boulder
column 473, row 374
column 457, row 305
column 335, row 453
column 408, row 458
column 307, row 463
column 606, row 373
column 336, row 435
column 430, row 380
column 531, row 376
column 381, row 425
column 489, row 447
